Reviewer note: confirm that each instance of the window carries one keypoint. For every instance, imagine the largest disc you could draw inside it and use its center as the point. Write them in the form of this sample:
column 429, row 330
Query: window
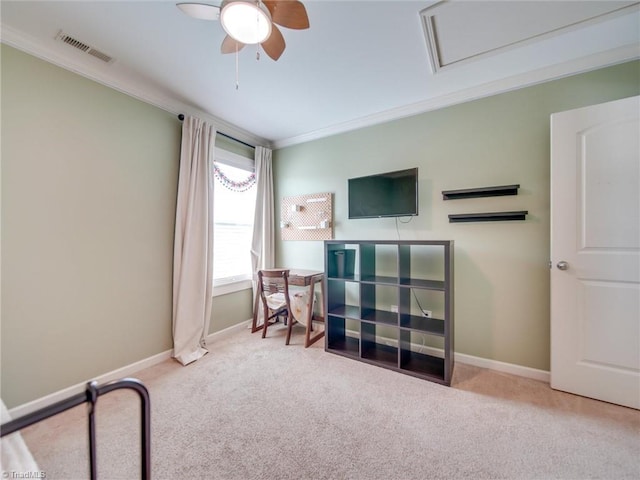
column 233, row 208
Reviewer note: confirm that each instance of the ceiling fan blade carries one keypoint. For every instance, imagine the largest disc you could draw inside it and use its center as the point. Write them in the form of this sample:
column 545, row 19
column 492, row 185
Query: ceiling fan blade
column 229, row 45
column 288, row 13
column 274, row 45
column 200, row 11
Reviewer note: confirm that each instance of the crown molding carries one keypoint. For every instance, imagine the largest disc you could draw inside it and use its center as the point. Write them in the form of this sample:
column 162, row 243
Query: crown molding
column 553, row 72
column 120, row 81
column 141, row 90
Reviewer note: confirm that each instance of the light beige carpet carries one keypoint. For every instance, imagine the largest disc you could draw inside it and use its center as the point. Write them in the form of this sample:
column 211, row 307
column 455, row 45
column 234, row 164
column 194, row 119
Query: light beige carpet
column 256, row 409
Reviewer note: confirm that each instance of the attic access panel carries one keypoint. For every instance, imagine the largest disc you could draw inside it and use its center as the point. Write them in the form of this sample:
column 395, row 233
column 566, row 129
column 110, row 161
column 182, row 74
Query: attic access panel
column 459, row 32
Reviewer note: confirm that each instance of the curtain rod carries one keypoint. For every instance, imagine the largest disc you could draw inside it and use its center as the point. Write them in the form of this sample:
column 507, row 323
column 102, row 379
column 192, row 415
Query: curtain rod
column 181, row 118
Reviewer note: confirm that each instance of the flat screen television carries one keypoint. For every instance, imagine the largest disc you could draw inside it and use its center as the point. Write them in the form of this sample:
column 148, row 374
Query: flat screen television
column 391, row 194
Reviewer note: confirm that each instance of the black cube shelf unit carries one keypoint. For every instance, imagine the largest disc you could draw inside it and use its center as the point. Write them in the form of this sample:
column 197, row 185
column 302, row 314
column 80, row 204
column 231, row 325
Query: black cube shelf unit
column 372, row 309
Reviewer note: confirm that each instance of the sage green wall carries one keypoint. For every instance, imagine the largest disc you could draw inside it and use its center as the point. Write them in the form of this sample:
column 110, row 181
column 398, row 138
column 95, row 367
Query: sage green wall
column 88, row 209
column 501, row 271
column 89, row 179
column 231, row 309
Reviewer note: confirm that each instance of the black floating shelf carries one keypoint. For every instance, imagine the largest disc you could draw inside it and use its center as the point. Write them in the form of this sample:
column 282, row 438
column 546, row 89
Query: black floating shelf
column 499, row 191
column 488, row 217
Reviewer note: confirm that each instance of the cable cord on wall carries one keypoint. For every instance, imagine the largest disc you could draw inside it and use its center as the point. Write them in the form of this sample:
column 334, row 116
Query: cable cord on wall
column 398, row 233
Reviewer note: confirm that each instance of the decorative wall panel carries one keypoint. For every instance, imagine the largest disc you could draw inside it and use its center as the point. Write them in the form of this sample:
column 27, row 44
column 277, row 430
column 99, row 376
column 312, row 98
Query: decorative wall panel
column 307, row 217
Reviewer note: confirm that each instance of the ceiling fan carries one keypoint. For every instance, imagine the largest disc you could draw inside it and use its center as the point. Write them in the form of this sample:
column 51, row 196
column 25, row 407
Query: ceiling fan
column 251, row 22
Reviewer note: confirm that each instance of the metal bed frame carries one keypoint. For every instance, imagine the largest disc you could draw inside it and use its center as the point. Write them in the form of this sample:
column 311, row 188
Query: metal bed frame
column 90, row 395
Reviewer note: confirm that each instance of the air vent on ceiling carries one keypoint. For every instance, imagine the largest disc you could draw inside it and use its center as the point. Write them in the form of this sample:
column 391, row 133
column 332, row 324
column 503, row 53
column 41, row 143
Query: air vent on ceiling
column 88, row 49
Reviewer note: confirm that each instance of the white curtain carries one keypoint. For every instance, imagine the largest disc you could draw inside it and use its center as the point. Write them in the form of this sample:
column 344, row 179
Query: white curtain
column 263, row 243
column 193, row 247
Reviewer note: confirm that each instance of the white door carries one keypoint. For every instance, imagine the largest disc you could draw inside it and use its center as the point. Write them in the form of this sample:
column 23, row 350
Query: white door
column 595, row 252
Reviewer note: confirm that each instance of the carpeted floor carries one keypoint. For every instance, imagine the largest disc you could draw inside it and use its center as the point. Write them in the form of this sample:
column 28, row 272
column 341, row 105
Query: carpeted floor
column 256, row 409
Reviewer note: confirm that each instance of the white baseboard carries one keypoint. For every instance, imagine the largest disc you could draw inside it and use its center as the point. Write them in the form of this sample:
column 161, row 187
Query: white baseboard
column 496, row 365
column 489, row 364
column 128, row 370
column 512, row 368
column 117, row 374
column 65, row 393
column 227, row 331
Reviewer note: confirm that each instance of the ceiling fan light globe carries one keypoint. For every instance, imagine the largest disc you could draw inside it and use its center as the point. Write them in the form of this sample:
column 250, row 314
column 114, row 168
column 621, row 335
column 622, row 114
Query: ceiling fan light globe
column 245, row 21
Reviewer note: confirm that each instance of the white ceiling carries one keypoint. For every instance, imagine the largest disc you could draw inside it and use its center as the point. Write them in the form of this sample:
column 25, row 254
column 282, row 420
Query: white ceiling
column 360, row 63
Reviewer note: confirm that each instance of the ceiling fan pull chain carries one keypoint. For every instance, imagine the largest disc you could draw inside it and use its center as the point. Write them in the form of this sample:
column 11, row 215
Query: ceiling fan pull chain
column 237, row 70
column 259, row 3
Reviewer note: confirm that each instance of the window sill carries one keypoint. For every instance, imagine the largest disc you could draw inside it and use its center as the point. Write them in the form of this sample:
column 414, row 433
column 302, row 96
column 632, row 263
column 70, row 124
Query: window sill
column 231, row 287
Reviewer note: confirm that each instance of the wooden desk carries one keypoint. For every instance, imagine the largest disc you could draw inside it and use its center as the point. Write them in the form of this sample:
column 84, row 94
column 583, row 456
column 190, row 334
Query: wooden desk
column 300, row 278
column 304, row 278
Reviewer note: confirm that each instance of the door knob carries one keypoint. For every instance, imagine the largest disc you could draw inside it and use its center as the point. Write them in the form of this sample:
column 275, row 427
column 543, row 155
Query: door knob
column 562, row 265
